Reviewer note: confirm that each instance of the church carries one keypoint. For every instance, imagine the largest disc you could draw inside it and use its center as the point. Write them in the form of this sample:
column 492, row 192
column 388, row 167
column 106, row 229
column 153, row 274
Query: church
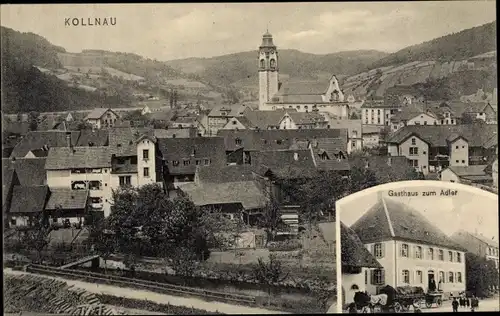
column 301, row 96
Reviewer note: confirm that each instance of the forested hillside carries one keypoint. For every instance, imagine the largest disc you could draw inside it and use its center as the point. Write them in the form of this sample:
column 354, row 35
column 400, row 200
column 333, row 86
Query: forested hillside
column 25, row 88
column 455, row 46
column 241, row 67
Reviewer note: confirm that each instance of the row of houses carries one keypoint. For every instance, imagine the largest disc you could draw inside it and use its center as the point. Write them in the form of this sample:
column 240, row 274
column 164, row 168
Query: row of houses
column 90, row 164
column 393, row 244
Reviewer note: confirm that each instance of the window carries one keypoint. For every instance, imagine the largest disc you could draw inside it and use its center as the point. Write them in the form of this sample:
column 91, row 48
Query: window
column 206, row 162
column 441, row 276
column 378, row 112
column 450, row 277
column 419, row 277
column 404, row 250
column 413, row 141
column 456, row 147
column 186, row 162
column 457, row 161
column 125, row 180
column 366, row 276
column 459, row 277
column 431, row 253
column 413, row 151
column 175, row 163
column 13, row 221
column 145, row 154
column 273, row 63
column 234, row 122
column 450, row 256
column 418, row 252
column 414, row 163
column 197, row 162
column 378, row 277
column 146, row 172
column 353, row 144
column 417, row 123
column 425, row 122
column 463, row 161
column 406, row 276
column 378, row 250
column 95, row 185
column 441, row 255
column 378, row 120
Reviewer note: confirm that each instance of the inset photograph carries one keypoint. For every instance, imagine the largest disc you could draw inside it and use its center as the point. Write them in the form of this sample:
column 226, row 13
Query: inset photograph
column 418, row 246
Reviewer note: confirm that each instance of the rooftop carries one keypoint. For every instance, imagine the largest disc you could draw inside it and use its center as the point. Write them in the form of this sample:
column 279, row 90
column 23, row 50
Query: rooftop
column 67, row 199
column 438, row 135
column 245, row 192
column 37, row 140
column 29, row 199
column 61, row 158
column 389, row 219
column 228, row 110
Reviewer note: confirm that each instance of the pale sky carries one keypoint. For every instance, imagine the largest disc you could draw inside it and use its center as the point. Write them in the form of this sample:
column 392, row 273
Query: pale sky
column 468, row 211
column 173, row 31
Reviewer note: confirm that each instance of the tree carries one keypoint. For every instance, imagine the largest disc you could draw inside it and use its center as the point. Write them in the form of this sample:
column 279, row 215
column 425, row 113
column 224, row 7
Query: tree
column 33, row 119
column 354, row 116
column 269, row 273
column 481, row 274
column 271, row 218
column 37, row 236
column 361, row 178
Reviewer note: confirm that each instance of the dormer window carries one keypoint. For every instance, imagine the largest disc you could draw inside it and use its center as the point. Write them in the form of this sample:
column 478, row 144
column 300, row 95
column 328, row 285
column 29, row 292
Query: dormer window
column 237, row 141
column 262, row 63
column 273, row 63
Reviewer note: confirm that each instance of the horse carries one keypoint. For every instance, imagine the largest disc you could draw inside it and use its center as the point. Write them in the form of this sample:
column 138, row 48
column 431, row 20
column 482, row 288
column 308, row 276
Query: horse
column 365, row 302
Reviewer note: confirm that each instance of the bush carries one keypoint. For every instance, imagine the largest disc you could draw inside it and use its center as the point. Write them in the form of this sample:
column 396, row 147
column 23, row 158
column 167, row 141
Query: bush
column 286, row 245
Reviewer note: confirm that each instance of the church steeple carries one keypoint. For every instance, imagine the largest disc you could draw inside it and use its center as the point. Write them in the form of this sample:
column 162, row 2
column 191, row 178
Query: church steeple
column 268, row 69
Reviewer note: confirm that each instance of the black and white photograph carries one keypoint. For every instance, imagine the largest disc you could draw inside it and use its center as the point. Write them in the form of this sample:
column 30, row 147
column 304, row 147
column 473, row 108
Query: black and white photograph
column 191, row 158
column 419, row 246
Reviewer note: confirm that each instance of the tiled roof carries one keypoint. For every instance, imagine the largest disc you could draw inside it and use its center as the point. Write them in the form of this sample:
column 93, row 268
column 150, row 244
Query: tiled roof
column 245, row 192
column 353, row 251
column 284, row 163
column 30, row 171
column 258, row 140
column 408, row 112
column 371, row 129
column 464, row 171
column 264, row 119
column 378, row 104
column 437, row 135
column 67, row 199
column 351, row 125
column 49, row 122
column 36, row 140
column 162, row 115
column 96, row 138
column 230, row 110
column 332, row 146
column 29, row 199
column 333, row 165
column 304, row 98
column 301, row 118
column 192, row 149
column 303, row 88
column 216, row 174
column 97, row 113
column 388, row 220
column 61, row 158
column 122, row 139
column 175, row 133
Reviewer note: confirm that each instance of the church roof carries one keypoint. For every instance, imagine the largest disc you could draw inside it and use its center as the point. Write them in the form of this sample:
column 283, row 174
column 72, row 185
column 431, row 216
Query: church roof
column 303, row 88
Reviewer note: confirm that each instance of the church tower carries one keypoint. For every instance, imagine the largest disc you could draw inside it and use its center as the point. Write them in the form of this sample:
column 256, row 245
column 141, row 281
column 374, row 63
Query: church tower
column 268, row 70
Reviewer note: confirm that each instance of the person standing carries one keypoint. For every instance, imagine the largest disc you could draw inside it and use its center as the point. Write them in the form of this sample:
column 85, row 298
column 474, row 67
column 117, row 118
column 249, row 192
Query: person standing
column 454, row 305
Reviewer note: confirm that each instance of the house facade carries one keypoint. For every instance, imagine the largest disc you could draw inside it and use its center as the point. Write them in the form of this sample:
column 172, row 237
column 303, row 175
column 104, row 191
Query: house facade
column 220, row 116
column 101, row 117
column 475, row 174
column 300, row 120
column 411, row 250
column 82, row 168
column 435, row 148
column 478, row 245
column 376, row 112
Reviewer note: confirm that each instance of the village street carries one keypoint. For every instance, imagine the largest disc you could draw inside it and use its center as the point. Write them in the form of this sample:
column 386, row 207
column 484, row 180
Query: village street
column 486, row 305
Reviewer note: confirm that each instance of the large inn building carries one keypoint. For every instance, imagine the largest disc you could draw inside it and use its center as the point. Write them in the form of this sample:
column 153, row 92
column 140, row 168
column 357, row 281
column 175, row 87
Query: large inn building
column 411, row 249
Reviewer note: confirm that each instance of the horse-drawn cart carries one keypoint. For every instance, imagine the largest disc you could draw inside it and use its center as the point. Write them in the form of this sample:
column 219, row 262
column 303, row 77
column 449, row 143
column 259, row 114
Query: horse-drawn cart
column 433, row 298
column 407, row 296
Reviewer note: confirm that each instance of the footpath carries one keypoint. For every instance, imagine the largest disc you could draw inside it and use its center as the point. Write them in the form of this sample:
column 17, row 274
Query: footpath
column 158, row 298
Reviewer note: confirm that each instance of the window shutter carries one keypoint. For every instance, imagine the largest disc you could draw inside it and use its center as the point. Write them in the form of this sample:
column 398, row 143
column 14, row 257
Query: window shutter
column 372, row 277
column 383, row 250
column 400, row 250
column 372, row 249
column 382, row 274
